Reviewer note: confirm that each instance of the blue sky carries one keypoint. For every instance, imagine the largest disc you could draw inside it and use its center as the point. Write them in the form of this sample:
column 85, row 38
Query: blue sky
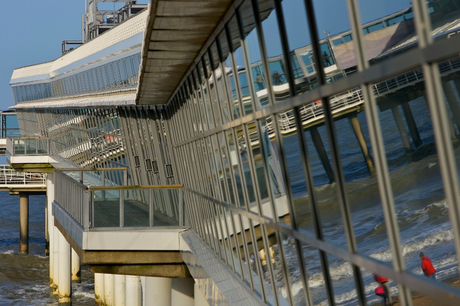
column 33, row 30
column 32, row 33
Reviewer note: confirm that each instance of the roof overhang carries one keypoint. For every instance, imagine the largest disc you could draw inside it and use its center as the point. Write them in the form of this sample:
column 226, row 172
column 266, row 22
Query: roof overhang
column 176, row 32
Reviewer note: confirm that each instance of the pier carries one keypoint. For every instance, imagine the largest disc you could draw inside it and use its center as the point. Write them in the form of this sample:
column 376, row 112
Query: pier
column 188, row 164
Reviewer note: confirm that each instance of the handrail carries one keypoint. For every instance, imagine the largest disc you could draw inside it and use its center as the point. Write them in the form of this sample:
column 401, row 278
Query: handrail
column 93, row 169
column 133, row 187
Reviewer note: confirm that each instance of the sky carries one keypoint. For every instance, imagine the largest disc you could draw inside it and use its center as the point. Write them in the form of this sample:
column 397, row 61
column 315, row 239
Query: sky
column 33, row 30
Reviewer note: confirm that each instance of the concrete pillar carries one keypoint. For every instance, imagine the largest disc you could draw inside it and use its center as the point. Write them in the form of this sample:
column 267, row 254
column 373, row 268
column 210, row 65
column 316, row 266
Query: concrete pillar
column 401, row 129
column 133, row 290
column 47, row 237
column 56, row 234
column 182, row 291
column 452, row 100
column 200, row 300
column 76, row 271
column 356, row 126
column 50, row 225
column 411, row 124
column 65, row 278
column 99, row 288
column 157, row 291
column 120, row 290
column 24, row 222
column 108, row 289
column 317, row 141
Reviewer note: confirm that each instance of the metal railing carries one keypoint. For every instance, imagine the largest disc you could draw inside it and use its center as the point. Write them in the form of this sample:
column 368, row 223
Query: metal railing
column 102, row 206
column 27, row 146
column 10, row 176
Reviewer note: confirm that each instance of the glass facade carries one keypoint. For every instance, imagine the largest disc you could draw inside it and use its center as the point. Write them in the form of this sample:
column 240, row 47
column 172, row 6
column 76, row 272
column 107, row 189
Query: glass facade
column 317, row 145
column 118, row 74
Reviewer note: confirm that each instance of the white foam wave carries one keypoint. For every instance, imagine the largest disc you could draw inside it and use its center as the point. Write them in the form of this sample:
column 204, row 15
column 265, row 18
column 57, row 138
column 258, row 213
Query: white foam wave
column 9, row 252
column 84, row 294
column 344, row 270
column 386, row 255
column 428, row 241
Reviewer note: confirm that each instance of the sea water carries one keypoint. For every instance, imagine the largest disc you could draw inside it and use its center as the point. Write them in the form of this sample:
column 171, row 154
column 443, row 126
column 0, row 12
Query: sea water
column 24, row 278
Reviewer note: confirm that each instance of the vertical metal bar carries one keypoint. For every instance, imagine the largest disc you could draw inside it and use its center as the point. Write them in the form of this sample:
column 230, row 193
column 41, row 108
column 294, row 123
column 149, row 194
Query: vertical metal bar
column 122, row 208
column 92, row 208
column 181, row 208
column 151, row 209
column 246, row 199
column 234, row 71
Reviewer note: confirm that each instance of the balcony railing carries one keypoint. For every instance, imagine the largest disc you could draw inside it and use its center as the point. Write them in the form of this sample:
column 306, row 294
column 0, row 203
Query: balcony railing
column 86, row 196
column 27, row 146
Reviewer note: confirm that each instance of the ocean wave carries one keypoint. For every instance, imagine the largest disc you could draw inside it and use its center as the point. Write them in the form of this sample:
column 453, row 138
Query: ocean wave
column 344, row 270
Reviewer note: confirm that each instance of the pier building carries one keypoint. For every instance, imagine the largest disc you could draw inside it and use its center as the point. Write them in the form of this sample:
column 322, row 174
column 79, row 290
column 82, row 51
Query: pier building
column 240, row 153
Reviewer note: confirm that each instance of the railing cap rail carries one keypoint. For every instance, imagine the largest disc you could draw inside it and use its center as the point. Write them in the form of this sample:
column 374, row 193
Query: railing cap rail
column 92, row 169
column 135, row 187
column 13, row 137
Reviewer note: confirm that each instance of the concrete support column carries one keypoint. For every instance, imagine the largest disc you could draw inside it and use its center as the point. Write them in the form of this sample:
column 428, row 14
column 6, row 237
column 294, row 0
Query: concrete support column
column 318, row 142
column 200, row 300
column 65, row 278
column 47, row 237
column 411, row 124
column 76, row 270
column 108, row 289
column 401, row 129
column 133, row 290
column 157, row 291
column 182, row 291
column 120, row 290
column 99, row 288
column 50, row 224
column 24, row 222
column 452, row 100
column 356, row 126
column 56, row 234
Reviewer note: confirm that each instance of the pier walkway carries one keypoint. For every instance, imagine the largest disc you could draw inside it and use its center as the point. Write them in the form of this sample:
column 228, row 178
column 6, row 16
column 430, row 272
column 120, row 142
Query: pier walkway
column 15, row 181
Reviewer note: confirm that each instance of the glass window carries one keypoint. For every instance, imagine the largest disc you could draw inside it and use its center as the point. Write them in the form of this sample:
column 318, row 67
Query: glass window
column 347, row 38
column 337, row 42
column 257, row 75
column 220, row 84
column 297, row 31
column 374, row 27
column 227, row 75
column 240, row 68
column 276, row 62
column 394, row 20
column 212, row 89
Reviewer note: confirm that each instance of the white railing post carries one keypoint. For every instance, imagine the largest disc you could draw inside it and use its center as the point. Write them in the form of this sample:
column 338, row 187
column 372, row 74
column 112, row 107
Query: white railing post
column 181, row 207
column 86, row 204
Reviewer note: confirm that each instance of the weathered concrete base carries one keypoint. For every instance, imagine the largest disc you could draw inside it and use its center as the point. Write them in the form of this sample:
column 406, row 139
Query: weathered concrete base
column 98, row 288
column 76, row 270
column 108, row 289
column 65, row 283
column 119, row 290
column 133, row 290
